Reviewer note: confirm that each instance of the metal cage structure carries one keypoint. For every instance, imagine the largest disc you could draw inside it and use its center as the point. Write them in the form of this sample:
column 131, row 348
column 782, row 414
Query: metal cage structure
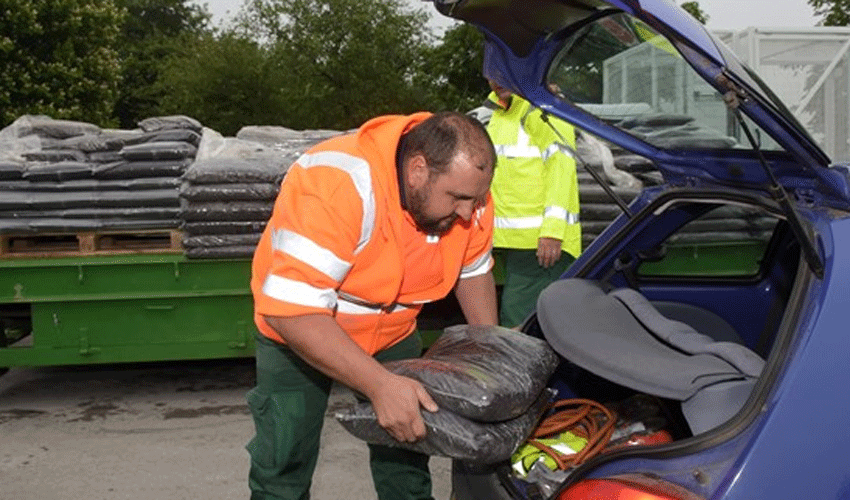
column 809, row 69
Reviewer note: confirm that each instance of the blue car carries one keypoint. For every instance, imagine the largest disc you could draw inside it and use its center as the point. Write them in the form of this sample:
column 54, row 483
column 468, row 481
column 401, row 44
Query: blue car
column 712, row 316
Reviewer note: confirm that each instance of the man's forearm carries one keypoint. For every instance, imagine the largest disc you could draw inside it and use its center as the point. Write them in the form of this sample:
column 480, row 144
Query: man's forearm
column 477, row 299
column 319, row 340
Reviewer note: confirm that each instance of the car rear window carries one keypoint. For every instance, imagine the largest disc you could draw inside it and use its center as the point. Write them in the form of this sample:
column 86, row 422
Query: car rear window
column 621, row 70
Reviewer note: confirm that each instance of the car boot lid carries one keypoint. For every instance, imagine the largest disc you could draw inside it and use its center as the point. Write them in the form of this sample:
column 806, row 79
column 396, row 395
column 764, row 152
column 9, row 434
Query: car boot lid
column 523, row 37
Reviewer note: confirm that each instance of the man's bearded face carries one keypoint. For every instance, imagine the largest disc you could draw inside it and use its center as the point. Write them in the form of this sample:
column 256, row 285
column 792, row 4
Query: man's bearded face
column 428, row 218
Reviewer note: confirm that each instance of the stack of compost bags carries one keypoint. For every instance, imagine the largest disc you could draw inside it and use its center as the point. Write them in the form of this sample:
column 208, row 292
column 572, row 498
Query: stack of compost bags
column 66, row 176
column 228, row 193
column 624, row 173
column 489, row 383
column 675, row 131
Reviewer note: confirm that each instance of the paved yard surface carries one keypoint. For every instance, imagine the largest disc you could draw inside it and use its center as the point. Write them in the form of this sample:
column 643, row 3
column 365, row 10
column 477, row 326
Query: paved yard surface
column 164, row 431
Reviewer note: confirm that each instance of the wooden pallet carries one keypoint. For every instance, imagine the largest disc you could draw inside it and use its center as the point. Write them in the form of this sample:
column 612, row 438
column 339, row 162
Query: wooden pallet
column 86, row 243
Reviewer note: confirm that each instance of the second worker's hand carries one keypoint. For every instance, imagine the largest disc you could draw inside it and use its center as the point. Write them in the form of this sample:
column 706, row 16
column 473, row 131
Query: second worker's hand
column 397, row 401
column 548, row 251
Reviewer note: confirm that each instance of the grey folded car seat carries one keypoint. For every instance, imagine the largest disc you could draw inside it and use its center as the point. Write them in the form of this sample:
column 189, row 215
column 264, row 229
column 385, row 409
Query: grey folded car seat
column 621, row 337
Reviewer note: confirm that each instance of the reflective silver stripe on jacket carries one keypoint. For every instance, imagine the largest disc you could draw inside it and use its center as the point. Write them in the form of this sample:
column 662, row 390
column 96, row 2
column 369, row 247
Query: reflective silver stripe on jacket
column 480, row 266
column 522, row 148
column 518, row 151
column 553, row 150
column 561, row 213
column 310, row 253
column 519, row 222
column 298, row 292
column 534, row 221
column 361, row 176
column 349, row 304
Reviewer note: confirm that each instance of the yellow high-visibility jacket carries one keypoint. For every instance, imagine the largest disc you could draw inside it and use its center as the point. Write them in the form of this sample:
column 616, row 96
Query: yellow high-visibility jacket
column 535, row 189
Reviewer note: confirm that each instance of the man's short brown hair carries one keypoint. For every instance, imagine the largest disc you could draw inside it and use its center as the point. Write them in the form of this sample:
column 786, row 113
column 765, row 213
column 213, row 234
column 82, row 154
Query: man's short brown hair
column 443, row 135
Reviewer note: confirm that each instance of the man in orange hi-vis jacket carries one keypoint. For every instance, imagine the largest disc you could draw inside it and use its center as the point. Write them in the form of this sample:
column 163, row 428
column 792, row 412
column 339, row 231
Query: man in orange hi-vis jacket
column 367, row 228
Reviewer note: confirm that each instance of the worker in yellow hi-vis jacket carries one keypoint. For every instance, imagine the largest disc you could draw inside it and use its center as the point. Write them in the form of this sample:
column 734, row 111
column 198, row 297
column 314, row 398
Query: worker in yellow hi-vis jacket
column 535, row 194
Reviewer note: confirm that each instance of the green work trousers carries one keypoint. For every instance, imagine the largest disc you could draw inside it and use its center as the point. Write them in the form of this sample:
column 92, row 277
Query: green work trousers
column 524, row 279
column 288, row 405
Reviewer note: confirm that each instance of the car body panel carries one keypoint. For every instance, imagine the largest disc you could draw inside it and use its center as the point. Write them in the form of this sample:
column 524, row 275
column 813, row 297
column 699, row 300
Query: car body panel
column 792, row 457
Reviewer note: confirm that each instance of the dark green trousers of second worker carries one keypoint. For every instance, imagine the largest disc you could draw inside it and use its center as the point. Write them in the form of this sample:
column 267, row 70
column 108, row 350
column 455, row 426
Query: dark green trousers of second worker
column 289, row 404
column 524, row 279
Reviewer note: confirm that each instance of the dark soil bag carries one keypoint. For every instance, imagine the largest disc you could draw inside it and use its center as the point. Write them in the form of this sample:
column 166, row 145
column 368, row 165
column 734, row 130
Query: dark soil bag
column 449, row 434
column 54, row 155
column 103, row 157
column 484, row 373
column 140, row 169
column 157, row 123
column 94, row 213
column 92, row 185
column 230, row 252
column 222, row 240
column 226, row 170
column 233, row 192
column 58, row 171
column 89, row 199
column 228, row 211
column 44, row 126
column 168, row 135
column 11, row 170
column 152, row 151
column 223, row 227
column 73, row 225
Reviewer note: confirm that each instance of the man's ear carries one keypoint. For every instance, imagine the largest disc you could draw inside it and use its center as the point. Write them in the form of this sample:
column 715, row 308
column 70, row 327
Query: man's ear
column 417, row 171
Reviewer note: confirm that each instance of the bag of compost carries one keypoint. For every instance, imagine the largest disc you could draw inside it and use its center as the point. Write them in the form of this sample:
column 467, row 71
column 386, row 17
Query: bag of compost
column 484, row 373
column 449, row 434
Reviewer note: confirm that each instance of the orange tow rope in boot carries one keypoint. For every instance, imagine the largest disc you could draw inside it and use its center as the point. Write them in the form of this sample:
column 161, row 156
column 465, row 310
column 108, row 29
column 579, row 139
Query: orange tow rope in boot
column 583, row 417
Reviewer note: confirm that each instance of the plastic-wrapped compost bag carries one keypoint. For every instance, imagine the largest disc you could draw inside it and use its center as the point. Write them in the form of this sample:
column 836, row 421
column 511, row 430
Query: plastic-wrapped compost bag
column 484, row 373
column 449, row 434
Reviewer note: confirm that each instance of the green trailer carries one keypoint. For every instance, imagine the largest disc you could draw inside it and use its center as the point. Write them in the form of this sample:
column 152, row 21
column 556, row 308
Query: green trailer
column 123, row 308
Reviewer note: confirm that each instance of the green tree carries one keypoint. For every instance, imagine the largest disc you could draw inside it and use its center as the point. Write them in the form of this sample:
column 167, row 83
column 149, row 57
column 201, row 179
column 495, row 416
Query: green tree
column 58, row 59
column 154, row 31
column 694, row 9
column 345, row 61
column 832, row 12
column 226, row 82
column 452, row 75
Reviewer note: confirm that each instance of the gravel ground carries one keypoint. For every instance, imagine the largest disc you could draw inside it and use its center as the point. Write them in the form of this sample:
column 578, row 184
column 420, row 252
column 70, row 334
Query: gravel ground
column 168, row 431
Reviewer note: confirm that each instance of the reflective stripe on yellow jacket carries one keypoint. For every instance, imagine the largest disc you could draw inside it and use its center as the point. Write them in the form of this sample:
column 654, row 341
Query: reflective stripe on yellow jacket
column 535, row 190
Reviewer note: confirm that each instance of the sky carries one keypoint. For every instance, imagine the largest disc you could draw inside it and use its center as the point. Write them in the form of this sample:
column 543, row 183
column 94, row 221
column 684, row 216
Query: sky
column 723, row 14
column 742, row 14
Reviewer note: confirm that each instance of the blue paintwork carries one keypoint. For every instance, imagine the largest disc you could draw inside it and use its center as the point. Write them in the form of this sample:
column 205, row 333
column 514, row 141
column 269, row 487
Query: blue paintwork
column 803, row 449
column 796, row 443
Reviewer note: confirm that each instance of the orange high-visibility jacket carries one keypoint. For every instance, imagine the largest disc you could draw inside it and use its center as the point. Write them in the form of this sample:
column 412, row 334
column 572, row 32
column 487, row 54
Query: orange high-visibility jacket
column 332, row 245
